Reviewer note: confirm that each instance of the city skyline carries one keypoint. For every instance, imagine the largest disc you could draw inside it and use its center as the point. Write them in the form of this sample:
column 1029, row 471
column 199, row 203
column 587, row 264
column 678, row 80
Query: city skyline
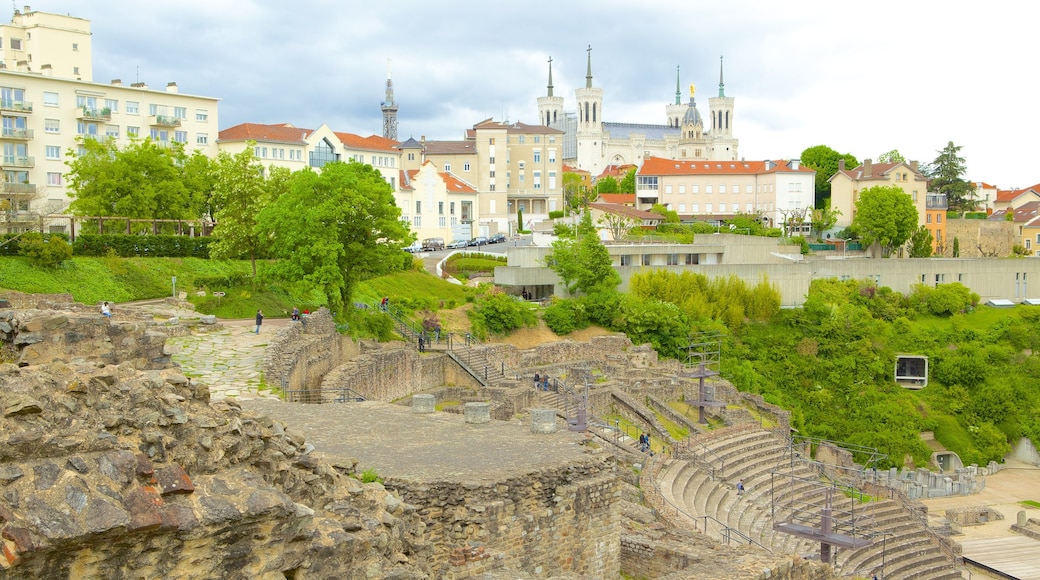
column 860, row 80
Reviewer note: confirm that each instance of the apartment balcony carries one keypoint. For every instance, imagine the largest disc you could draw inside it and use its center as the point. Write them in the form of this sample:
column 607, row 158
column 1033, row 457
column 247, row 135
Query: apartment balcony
column 16, row 134
column 163, row 121
column 936, row 201
column 528, row 194
column 87, row 114
column 10, row 161
column 18, row 188
column 16, row 106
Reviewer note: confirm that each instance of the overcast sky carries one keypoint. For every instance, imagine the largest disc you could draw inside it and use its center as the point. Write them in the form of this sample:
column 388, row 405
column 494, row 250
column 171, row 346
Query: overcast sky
column 862, row 78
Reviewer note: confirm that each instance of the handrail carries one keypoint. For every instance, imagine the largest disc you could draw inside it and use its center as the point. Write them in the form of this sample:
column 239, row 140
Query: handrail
column 685, row 447
column 727, row 531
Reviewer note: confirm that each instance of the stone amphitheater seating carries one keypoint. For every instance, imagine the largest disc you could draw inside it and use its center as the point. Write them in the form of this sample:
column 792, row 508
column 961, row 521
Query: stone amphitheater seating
column 752, row 455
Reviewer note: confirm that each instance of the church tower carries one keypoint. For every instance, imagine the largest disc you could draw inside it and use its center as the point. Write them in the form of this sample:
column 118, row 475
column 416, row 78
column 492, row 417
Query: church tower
column 724, row 145
column 389, row 107
column 692, row 142
column 590, row 123
column 675, row 112
column 550, row 108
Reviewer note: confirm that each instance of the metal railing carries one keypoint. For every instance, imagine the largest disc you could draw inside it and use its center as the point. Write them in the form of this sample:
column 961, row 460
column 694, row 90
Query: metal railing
column 323, row 395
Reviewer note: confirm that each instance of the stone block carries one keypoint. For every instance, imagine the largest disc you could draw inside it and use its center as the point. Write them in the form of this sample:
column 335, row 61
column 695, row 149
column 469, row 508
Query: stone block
column 477, row 413
column 543, row 420
column 423, row 403
column 208, row 319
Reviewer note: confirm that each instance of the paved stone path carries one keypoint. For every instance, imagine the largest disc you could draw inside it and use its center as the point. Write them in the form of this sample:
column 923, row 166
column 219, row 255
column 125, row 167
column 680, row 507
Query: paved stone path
column 227, row 357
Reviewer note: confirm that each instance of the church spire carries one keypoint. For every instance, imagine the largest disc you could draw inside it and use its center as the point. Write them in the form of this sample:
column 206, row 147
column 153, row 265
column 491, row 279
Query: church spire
column 722, row 85
column 678, row 93
column 588, row 74
column 550, row 77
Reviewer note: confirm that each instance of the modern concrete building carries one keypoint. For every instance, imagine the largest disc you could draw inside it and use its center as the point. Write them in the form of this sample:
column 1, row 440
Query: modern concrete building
column 48, row 103
column 776, row 191
column 592, row 144
column 754, row 259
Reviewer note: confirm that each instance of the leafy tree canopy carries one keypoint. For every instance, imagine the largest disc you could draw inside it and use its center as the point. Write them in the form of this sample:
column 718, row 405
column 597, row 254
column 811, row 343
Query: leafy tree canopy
column 885, row 214
column 946, row 175
column 824, row 218
column 143, row 180
column 628, row 183
column 920, row 244
column 576, row 195
column 893, row 156
column 824, row 161
column 334, row 229
column 607, row 185
column 240, row 191
column 583, row 263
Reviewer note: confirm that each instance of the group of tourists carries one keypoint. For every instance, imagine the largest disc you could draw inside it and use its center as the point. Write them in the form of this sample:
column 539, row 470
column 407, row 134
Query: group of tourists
column 644, row 442
column 541, row 382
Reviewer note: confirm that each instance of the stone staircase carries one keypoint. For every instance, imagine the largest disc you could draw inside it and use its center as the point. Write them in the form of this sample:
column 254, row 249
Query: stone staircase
column 780, row 490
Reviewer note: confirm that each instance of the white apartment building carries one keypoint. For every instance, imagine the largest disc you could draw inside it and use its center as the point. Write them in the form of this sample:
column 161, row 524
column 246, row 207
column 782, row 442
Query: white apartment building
column 48, row 103
column 718, row 190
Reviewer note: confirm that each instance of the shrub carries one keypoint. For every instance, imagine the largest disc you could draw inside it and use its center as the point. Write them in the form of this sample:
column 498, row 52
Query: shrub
column 499, row 313
column 129, row 246
column 47, row 253
column 556, row 214
column 565, row 316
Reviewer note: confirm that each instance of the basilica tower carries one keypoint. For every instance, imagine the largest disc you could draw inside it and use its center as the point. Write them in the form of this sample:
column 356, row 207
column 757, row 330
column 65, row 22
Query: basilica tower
column 675, row 111
column 550, row 107
column 724, row 145
column 590, row 123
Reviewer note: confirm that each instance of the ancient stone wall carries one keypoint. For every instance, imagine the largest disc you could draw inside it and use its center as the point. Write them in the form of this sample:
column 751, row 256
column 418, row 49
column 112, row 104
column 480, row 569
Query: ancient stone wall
column 980, row 238
column 302, row 353
column 389, row 372
column 108, row 471
column 557, row 520
column 668, row 559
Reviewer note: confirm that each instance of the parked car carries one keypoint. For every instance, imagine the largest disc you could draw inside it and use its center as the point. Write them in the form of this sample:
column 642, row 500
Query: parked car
column 497, row 239
column 433, row 244
column 415, row 248
column 478, row 241
column 456, row 244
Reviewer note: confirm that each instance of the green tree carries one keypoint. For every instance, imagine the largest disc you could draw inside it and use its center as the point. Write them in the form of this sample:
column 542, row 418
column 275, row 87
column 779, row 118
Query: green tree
column 628, row 183
column 920, row 244
column 333, row 229
column 885, row 214
column 47, row 253
column 946, row 175
column 143, row 180
column 618, row 225
column 956, row 247
column 576, row 195
column 824, row 161
column 893, row 156
column 240, row 191
column 670, row 217
column 607, row 185
column 825, row 218
column 583, row 263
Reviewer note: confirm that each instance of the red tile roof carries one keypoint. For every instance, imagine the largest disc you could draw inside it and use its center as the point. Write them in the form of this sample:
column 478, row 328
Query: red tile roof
column 662, row 166
column 620, row 198
column 627, row 211
column 450, row 147
column 451, row 182
column 1012, row 194
column 1026, row 213
column 282, row 133
column 372, row 142
column 877, row 171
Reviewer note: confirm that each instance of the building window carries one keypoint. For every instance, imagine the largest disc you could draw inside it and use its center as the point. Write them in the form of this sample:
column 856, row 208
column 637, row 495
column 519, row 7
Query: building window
column 552, row 156
column 938, row 218
column 323, row 153
column 537, row 179
column 692, row 259
column 201, row 115
column 520, row 139
column 418, row 207
column 112, row 105
column 491, row 141
column 465, row 166
column 722, row 188
column 695, row 189
column 707, row 189
column 440, row 208
column 646, row 259
column 182, row 137
column 51, row 125
column 53, row 152
column 626, row 260
column 160, row 135
column 132, row 107
column 112, row 131
column 442, row 222
column 133, row 131
column 16, row 44
column 417, row 221
column 537, row 155
column 180, row 112
column 447, row 167
column 491, row 173
column 673, row 259
column 491, row 188
column 928, row 218
column 50, row 99
column 53, row 178
column 75, row 47
column 203, row 139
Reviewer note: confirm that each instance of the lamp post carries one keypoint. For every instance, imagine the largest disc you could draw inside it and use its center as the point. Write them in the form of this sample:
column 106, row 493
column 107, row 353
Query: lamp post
column 844, row 247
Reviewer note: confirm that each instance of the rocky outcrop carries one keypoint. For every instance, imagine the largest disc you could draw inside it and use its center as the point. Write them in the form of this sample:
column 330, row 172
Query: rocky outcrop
column 113, row 464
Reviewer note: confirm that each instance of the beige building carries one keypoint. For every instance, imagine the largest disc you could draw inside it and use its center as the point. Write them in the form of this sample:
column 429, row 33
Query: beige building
column 437, row 204
column 847, row 183
column 48, row 104
column 719, row 190
column 514, row 167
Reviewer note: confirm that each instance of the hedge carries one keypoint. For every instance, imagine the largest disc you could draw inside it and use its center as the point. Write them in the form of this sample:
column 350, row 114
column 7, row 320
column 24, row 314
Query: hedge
column 129, row 246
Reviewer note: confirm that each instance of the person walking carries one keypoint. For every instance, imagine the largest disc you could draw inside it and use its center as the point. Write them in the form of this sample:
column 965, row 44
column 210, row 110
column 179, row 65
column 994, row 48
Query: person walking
column 106, row 310
column 740, row 487
column 296, row 313
column 259, row 320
